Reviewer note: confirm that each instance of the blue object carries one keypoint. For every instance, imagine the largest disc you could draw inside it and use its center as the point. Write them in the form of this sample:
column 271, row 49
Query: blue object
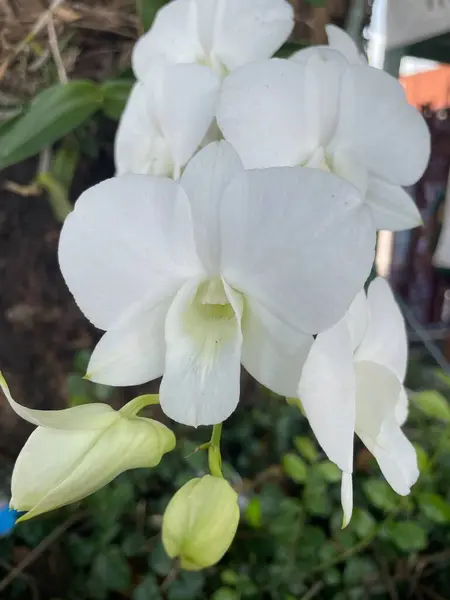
column 8, row 519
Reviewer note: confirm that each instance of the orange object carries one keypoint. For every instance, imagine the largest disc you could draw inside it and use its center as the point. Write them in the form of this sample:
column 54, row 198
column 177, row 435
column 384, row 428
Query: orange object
column 430, row 88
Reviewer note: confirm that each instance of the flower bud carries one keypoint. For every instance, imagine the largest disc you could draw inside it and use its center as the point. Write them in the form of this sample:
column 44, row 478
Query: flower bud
column 200, row 522
column 75, row 452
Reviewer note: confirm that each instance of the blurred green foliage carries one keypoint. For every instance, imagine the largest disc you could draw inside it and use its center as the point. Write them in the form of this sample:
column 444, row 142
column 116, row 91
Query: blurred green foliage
column 289, row 545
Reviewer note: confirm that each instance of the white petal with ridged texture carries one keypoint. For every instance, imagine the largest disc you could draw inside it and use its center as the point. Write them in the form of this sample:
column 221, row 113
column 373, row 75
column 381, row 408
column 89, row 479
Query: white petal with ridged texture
column 173, row 36
column 272, row 352
column 385, row 342
column 250, row 31
column 392, row 207
column 129, row 238
column 204, row 181
column 262, row 113
column 379, row 126
column 327, row 393
column 282, row 229
column 133, row 350
column 87, row 417
column 201, row 379
column 186, row 104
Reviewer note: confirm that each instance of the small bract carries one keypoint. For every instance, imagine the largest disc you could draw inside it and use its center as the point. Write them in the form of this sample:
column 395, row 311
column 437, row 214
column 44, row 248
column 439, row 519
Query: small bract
column 190, row 279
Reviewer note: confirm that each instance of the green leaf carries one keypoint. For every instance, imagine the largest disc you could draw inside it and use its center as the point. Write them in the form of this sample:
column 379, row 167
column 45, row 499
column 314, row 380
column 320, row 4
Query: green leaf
column 435, row 508
column 295, row 467
column 229, row 577
column 133, row 544
column 423, row 460
column 148, row 588
column 380, row 494
column 329, row 471
column 225, row 593
column 112, row 569
column 253, row 513
column 408, row 536
column 306, row 447
column 187, row 587
column 433, row 404
column 147, row 10
column 159, row 561
column 115, row 96
column 51, row 115
column 362, row 522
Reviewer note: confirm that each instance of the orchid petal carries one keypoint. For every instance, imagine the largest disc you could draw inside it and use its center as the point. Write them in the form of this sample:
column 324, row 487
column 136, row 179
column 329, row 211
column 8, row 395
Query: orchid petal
column 262, row 113
column 272, row 352
column 204, row 182
column 325, row 69
column 128, row 238
column 132, row 351
column 378, row 125
column 281, row 228
column 186, row 105
column 377, row 392
column 356, row 319
column 173, row 36
column 202, row 373
column 396, row 457
column 327, row 394
column 347, row 497
column 385, row 341
column 138, row 146
column 250, row 31
column 392, row 207
column 339, row 40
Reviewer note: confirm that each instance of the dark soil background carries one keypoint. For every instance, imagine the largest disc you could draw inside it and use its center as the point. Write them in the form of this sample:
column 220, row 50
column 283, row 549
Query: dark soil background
column 40, row 325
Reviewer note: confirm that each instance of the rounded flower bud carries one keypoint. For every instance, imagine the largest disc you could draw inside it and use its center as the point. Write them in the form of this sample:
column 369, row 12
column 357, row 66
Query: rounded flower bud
column 200, row 522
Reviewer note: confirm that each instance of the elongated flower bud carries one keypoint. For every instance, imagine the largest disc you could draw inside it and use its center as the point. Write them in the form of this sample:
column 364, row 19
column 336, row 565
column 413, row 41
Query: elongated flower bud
column 200, row 522
column 75, row 452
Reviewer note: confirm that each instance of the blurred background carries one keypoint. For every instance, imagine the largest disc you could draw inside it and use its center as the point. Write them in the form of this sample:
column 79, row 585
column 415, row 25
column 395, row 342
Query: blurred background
column 290, row 544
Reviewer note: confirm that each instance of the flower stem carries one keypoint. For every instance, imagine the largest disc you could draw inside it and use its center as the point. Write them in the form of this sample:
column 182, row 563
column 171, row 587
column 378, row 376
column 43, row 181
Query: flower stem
column 214, row 456
column 137, row 404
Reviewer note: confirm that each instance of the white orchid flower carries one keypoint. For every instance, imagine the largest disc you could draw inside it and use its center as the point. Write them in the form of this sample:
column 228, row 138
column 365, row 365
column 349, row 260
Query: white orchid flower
column 191, row 278
column 221, row 34
column 166, row 119
column 352, row 382
column 318, row 110
column 77, row 451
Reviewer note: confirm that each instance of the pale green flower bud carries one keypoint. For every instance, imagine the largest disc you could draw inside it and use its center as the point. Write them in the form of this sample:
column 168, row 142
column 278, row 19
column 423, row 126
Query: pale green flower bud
column 75, row 452
column 200, row 522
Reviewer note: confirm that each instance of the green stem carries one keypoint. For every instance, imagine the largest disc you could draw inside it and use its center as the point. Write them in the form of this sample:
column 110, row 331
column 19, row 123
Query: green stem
column 214, row 456
column 137, row 404
column 57, row 196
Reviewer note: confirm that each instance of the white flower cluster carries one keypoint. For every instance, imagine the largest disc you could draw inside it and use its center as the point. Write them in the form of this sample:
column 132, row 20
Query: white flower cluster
column 241, row 229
